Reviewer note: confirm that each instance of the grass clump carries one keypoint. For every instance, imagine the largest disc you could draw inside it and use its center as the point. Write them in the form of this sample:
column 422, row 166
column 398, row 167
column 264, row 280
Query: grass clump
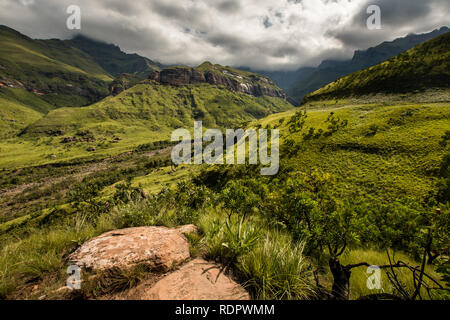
column 42, row 253
column 359, row 276
column 277, row 269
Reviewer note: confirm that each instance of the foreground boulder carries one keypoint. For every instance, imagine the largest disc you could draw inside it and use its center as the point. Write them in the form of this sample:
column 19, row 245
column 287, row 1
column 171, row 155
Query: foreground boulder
column 196, row 280
column 159, row 248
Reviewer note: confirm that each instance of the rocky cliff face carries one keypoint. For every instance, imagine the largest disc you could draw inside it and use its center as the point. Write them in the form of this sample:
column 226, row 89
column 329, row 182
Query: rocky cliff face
column 233, row 80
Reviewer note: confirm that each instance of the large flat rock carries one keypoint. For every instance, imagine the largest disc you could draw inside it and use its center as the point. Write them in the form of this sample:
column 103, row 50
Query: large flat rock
column 196, row 280
column 158, row 247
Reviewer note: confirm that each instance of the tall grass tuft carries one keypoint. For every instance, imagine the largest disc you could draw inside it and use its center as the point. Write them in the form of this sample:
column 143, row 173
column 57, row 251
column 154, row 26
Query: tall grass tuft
column 277, row 269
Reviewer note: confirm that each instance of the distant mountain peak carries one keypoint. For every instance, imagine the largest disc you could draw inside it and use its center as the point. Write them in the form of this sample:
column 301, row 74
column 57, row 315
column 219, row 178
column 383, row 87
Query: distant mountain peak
column 113, row 59
column 86, row 39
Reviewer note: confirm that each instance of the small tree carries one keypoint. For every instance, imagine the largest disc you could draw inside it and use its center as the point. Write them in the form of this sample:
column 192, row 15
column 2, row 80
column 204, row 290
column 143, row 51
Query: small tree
column 240, row 198
column 330, row 226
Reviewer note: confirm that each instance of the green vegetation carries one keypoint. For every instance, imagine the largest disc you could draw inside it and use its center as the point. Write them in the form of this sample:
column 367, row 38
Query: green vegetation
column 360, row 183
column 387, row 177
column 15, row 115
column 144, row 114
column 278, row 269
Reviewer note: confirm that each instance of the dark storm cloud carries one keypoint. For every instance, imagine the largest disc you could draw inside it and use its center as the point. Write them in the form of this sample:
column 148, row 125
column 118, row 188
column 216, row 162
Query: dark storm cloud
column 263, row 34
column 267, row 22
column 396, row 13
column 230, row 6
column 232, row 43
column 168, row 9
column 398, row 18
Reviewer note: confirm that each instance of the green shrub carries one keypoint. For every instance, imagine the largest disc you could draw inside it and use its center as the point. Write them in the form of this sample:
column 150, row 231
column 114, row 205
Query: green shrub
column 297, row 122
column 373, row 129
column 228, row 239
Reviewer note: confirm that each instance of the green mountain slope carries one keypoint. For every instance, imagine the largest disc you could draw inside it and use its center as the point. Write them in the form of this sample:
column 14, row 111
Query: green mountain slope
column 385, row 153
column 423, row 67
column 114, row 60
column 18, row 109
column 330, row 70
column 62, row 74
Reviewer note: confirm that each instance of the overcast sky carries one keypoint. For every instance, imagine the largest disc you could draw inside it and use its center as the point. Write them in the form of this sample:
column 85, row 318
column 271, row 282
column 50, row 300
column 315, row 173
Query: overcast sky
column 262, row 34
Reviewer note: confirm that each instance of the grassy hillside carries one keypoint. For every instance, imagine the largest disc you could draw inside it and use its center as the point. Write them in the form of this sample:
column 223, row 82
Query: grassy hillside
column 159, row 109
column 386, row 153
column 14, row 117
column 18, row 109
column 357, row 179
column 423, row 67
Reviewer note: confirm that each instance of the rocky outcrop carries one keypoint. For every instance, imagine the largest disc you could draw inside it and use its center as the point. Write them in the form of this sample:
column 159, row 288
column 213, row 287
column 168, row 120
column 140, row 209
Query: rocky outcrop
column 123, row 82
column 196, row 280
column 251, row 84
column 157, row 247
column 163, row 250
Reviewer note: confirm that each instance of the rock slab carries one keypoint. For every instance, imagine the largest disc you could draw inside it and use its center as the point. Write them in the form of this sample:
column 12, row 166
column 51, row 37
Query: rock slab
column 196, row 280
column 159, row 248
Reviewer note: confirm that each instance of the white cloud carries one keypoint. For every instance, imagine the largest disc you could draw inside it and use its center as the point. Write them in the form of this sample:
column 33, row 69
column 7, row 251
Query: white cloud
column 263, row 34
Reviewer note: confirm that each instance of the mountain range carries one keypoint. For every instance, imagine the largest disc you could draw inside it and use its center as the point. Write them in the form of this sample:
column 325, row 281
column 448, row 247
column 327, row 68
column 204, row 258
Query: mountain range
column 421, row 68
column 306, row 80
column 63, row 87
column 56, row 87
column 85, row 149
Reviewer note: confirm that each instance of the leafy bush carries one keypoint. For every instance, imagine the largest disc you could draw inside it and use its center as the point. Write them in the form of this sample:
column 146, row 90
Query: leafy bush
column 241, row 199
column 297, row 122
column 335, row 123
